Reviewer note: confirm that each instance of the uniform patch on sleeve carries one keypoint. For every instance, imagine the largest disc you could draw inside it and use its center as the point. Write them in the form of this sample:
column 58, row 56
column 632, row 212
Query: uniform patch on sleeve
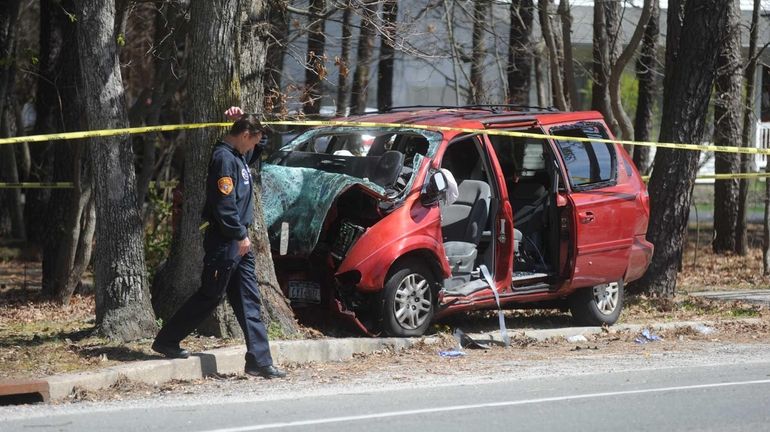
column 225, row 185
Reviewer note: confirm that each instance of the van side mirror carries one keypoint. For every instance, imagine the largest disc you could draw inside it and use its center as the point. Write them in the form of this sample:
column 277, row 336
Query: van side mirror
column 435, row 188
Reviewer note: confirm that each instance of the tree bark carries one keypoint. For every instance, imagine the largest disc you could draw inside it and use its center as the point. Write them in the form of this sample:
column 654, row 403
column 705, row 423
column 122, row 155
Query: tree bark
column 213, row 85
column 727, row 132
column 476, row 94
column 552, row 43
column 749, row 117
column 10, row 173
column 520, row 49
column 315, row 67
column 646, row 72
column 693, row 37
column 123, row 309
column 542, row 83
column 358, row 93
column 625, row 127
column 67, row 234
column 570, row 86
column 605, row 51
column 343, row 62
column 276, row 51
column 276, row 309
column 387, row 55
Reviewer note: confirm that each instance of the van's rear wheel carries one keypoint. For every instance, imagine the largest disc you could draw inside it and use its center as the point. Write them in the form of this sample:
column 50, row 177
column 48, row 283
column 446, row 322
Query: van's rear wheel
column 408, row 300
column 598, row 305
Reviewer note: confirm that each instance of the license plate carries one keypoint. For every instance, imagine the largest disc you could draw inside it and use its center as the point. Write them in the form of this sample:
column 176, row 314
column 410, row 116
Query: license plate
column 305, row 291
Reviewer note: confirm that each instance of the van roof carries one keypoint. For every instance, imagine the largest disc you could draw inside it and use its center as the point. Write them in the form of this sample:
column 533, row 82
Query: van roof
column 475, row 117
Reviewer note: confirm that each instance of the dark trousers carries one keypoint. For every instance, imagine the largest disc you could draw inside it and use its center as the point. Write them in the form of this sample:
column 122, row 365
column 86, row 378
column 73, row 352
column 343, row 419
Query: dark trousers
column 224, row 272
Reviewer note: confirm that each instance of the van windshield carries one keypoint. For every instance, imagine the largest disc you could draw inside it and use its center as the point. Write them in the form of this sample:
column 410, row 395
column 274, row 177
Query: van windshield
column 354, row 141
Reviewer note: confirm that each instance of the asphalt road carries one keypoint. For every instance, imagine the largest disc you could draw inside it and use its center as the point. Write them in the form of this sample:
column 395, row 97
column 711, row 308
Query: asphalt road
column 725, row 397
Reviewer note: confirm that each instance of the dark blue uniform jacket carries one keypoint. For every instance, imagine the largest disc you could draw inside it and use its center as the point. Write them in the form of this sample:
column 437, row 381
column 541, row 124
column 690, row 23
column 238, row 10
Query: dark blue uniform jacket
column 229, row 201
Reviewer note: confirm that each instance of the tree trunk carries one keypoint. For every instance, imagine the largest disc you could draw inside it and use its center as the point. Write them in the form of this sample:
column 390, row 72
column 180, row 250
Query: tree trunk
column 315, row 67
column 9, row 169
column 520, row 50
column 123, row 309
column 364, row 58
column 387, row 55
column 276, row 310
column 741, row 240
column 727, row 132
column 476, row 94
column 646, row 71
column 570, row 86
column 605, row 33
column 276, row 51
column 214, row 84
column 625, row 127
column 343, row 62
column 552, row 43
column 68, row 231
column 542, row 83
column 692, row 44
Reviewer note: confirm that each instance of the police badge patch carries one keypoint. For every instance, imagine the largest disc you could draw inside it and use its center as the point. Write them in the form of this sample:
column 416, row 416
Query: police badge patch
column 225, row 185
column 245, row 175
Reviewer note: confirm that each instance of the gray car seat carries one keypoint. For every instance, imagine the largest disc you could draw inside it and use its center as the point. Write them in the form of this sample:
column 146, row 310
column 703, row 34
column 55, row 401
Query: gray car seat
column 463, row 222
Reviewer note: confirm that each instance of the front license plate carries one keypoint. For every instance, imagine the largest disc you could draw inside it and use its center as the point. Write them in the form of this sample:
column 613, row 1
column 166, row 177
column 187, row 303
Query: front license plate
column 305, row 291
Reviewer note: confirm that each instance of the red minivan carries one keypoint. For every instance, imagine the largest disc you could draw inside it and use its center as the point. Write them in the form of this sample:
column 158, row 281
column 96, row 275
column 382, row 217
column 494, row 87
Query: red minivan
column 360, row 222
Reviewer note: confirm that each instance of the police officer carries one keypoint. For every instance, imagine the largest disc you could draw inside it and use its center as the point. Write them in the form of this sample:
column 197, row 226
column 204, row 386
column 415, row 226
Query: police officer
column 228, row 264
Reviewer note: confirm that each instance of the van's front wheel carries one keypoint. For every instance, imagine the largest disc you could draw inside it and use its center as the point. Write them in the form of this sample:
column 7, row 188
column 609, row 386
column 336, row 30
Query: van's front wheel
column 598, row 305
column 408, row 300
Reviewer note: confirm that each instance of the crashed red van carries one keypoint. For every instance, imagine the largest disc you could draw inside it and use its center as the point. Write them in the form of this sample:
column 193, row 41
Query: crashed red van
column 360, row 222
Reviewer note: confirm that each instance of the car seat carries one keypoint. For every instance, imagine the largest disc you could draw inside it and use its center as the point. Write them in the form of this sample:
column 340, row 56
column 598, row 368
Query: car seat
column 463, row 222
column 388, row 168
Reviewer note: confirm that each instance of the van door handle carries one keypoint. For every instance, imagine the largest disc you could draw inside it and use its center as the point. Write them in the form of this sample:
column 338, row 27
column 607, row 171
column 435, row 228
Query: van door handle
column 587, row 217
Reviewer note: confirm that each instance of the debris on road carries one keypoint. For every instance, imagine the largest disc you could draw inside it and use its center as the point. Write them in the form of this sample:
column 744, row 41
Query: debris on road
column 576, row 338
column 647, row 336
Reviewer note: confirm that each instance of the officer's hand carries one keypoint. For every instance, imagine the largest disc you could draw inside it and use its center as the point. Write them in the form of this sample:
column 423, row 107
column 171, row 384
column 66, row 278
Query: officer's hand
column 234, row 113
column 244, row 246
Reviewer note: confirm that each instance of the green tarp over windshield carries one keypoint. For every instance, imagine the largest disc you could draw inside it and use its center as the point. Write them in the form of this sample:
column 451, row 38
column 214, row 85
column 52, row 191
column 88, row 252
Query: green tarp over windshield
column 301, row 197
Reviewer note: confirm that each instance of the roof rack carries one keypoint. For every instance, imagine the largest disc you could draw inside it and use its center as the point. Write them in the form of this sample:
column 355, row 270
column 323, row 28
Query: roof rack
column 494, row 108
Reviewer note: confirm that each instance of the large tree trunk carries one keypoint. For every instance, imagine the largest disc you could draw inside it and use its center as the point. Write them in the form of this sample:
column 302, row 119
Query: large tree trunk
column 646, row 71
column 727, row 132
column 68, row 232
column 315, row 68
column 749, row 117
column 570, row 86
column 625, row 127
column 278, row 17
column 214, row 84
column 343, row 63
column 520, row 50
column 276, row 310
column 123, row 309
column 692, row 43
column 476, row 94
column 387, row 55
column 8, row 168
column 358, row 94
column 605, row 51
column 553, row 44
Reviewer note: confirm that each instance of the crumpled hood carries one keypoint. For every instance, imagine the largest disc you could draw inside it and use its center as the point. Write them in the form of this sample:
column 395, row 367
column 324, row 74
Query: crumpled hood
column 302, row 197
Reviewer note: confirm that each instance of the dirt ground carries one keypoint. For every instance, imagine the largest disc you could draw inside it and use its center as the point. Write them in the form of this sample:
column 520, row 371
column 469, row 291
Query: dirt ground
column 39, row 338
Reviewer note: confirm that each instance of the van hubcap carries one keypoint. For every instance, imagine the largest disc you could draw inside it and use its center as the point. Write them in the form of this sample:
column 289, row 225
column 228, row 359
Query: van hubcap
column 413, row 301
column 606, row 297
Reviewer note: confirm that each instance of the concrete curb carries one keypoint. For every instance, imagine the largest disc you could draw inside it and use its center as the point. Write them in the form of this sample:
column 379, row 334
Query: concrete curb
column 231, row 360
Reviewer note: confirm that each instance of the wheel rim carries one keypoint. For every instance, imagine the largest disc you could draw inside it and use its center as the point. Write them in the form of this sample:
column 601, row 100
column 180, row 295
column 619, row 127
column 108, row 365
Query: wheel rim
column 413, row 302
column 606, row 297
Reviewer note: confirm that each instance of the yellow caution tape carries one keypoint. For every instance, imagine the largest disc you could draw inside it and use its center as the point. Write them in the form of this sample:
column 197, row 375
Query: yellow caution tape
column 479, row 131
column 108, row 132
